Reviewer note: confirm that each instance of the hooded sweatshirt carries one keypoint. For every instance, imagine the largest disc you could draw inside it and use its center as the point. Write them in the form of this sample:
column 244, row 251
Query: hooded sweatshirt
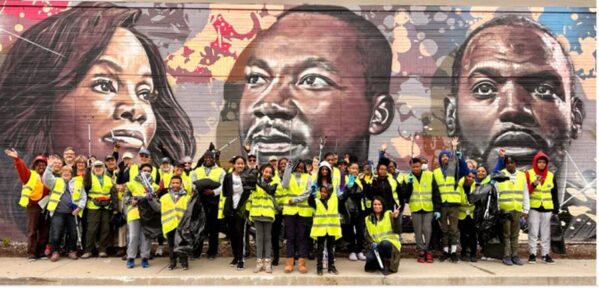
column 543, row 174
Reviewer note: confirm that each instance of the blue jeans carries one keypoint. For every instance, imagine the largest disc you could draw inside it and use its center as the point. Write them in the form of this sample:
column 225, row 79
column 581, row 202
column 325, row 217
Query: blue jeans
column 61, row 223
column 385, row 249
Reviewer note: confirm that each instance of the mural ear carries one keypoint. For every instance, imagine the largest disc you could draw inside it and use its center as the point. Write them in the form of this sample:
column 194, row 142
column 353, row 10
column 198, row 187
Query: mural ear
column 450, row 116
column 383, row 111
column 577, row 117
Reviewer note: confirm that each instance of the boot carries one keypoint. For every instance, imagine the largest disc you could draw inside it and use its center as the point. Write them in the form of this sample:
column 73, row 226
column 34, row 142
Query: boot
column 172, row 264
column 302, row 266
column 429, row 256
column 184, row 263
column 275, row 259
column 444, row 257
column 259, row 265
column 267, row 265
column 333, row 269
column 421, row 256
column 289, row 265
column 386, row 265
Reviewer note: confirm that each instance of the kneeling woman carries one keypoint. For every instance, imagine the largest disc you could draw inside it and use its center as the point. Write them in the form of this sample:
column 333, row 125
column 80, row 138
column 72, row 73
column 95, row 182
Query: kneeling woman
column 383, row 238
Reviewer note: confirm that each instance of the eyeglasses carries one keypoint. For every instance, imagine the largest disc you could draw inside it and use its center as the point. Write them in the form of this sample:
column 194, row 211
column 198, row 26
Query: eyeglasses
column 144, row 156
column 251, row 160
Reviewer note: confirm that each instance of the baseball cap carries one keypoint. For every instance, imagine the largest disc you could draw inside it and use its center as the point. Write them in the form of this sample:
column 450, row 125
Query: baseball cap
column 186, row 159
column 181, row 163
column 40, row 158
column 98, row 163
column 144, row 151
column 127, row 155
column 109, row 157
column 165, row 160
column 272, row 158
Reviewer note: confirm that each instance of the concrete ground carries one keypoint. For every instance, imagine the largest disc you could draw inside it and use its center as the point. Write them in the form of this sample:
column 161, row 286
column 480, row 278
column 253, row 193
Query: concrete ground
column 112, row 271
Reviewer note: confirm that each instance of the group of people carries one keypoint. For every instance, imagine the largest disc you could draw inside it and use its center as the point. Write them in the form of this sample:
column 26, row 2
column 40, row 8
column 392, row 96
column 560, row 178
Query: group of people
column 86, row 202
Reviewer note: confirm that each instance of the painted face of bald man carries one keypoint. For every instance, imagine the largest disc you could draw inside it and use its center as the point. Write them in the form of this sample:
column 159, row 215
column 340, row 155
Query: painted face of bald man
column 514, row 91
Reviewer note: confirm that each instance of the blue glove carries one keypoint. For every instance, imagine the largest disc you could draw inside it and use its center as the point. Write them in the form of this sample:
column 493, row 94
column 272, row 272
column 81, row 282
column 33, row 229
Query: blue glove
column 437, row 215
column 410, row 178
column 374, row 245
column 459, row 154
column 351, row 181
column 313, row 189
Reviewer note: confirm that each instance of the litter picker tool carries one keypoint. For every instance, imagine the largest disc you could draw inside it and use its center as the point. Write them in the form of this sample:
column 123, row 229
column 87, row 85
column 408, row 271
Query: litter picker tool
column 78, row 232
column 227, row 145
column 378, row 258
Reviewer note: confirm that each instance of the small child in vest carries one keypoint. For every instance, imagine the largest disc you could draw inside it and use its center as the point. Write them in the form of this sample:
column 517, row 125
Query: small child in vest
column 326, row 225
column 67, row 201
column 173, row 205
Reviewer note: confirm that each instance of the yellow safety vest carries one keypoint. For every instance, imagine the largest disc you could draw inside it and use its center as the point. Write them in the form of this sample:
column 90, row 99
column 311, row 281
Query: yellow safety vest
column 261, row 204
column 134, row 170
column 422, row 193
column 296, row 189
column 213, row 175
column 466, row 209
column 541, row 195
column 166, row 178
column 511, row 193
column 58, row 189
column 27, row 190
column 98, row 190
column 137, row 190
column 383, row 230
column 172, row 212
column 446, row 187
column 326, row 220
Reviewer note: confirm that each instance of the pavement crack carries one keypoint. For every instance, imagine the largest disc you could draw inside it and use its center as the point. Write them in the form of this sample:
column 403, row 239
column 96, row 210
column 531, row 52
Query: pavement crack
column 483, row 269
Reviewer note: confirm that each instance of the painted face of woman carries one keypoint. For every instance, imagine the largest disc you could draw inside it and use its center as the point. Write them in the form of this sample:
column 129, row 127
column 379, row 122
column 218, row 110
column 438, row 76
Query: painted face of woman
column 115, row 94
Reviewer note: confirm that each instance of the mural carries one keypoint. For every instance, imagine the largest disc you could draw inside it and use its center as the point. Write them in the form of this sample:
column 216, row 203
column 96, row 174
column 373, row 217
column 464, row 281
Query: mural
column 276, row 79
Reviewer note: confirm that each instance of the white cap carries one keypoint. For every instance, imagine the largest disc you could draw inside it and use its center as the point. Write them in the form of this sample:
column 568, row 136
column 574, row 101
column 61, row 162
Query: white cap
column 272, row 158
column 98, row 163
column 127, row 155
column 325, row 164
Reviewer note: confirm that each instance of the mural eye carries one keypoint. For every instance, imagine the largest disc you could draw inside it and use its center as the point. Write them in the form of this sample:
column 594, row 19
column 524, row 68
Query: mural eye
column 255, row 80
column 485, row 89
column 104, row 86
column 544, row 91
column 315, row 82
column 146, row 95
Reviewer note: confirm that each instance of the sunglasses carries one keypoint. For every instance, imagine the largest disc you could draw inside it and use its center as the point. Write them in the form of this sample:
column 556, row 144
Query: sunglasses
column 251, row 160
column 144, row 156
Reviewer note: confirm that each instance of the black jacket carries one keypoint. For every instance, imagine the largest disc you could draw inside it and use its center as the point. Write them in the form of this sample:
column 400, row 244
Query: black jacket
column 248, row 180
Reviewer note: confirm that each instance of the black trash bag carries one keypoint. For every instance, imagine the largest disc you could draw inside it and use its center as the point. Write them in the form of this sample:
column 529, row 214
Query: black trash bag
column 149, row 217
column 436, row 236
column 558, row 244
column 190, row 232
column 488, row 219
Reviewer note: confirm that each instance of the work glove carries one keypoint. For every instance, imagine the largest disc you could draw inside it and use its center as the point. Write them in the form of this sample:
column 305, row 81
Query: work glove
column 410, row 178
column 351, row 181
column 373, row 245
column 437, row 215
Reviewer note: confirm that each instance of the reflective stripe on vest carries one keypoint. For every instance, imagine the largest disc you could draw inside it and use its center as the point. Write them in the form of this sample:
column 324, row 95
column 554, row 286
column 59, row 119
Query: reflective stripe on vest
column 383, row 230
column 27, row 190
column 326, row 220
column 172, row 212
column 511, row 193
column 422, row 193
column 541, row 195
column 97, row 190
column 137, row 190
column 165, row 177
column 466, row 209
column 296, row 189
column 446, row 187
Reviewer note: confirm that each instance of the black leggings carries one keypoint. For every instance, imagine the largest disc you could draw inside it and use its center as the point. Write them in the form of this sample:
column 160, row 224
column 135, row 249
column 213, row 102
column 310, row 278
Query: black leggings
column 236, row 224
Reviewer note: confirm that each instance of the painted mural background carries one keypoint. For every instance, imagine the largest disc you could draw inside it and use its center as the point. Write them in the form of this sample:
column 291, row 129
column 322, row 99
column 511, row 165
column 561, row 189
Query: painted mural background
column 237, row 71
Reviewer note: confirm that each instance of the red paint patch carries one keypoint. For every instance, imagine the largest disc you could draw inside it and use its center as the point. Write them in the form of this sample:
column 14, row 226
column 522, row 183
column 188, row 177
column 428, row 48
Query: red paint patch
column 33, row 10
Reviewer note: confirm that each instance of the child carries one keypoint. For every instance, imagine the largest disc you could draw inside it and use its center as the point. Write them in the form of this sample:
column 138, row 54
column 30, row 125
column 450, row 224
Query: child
column 326, row 225
column 172, row 207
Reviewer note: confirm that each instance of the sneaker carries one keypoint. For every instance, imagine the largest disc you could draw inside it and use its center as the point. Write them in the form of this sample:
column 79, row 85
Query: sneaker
column 211, row 257
column 130, row 263
column 185, row 266
column 429, row 257
column 421, row 257
column 86, row 255
column 532, row 259
column 145, row 263
column 319, row 271
column 463, row 257
column 73, row 255
column 333, row 270
column 547, row 259
column 507, row 260
column 353, row 257
column 361, row 256
column 103, row 255
column 240, row 265
column 233, row 263
column 516, row 260
column 444, row 257
column 454, row 258
column 158, row 252
column 47, row 251
column 55, row 257
column 473, row 258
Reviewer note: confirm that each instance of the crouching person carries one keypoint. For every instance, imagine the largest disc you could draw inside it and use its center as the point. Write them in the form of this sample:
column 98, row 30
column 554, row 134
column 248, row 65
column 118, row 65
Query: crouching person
column 67, row 201
column 382, row 235
column 173, row 205
column 326, row 225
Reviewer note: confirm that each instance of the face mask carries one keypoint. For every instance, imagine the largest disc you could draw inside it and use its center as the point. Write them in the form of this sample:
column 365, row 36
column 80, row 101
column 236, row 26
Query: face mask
column 424, row 167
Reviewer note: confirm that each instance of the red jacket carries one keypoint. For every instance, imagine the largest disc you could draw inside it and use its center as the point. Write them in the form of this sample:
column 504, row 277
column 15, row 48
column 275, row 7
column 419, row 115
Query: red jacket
column 24, row 174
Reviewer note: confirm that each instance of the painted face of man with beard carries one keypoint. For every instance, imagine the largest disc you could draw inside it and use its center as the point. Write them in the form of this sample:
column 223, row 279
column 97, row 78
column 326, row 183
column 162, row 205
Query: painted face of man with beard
column 304, row 82
column 514, row 90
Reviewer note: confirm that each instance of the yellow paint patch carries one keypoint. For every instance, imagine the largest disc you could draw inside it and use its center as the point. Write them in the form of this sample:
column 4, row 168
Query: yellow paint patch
column 18, row 27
